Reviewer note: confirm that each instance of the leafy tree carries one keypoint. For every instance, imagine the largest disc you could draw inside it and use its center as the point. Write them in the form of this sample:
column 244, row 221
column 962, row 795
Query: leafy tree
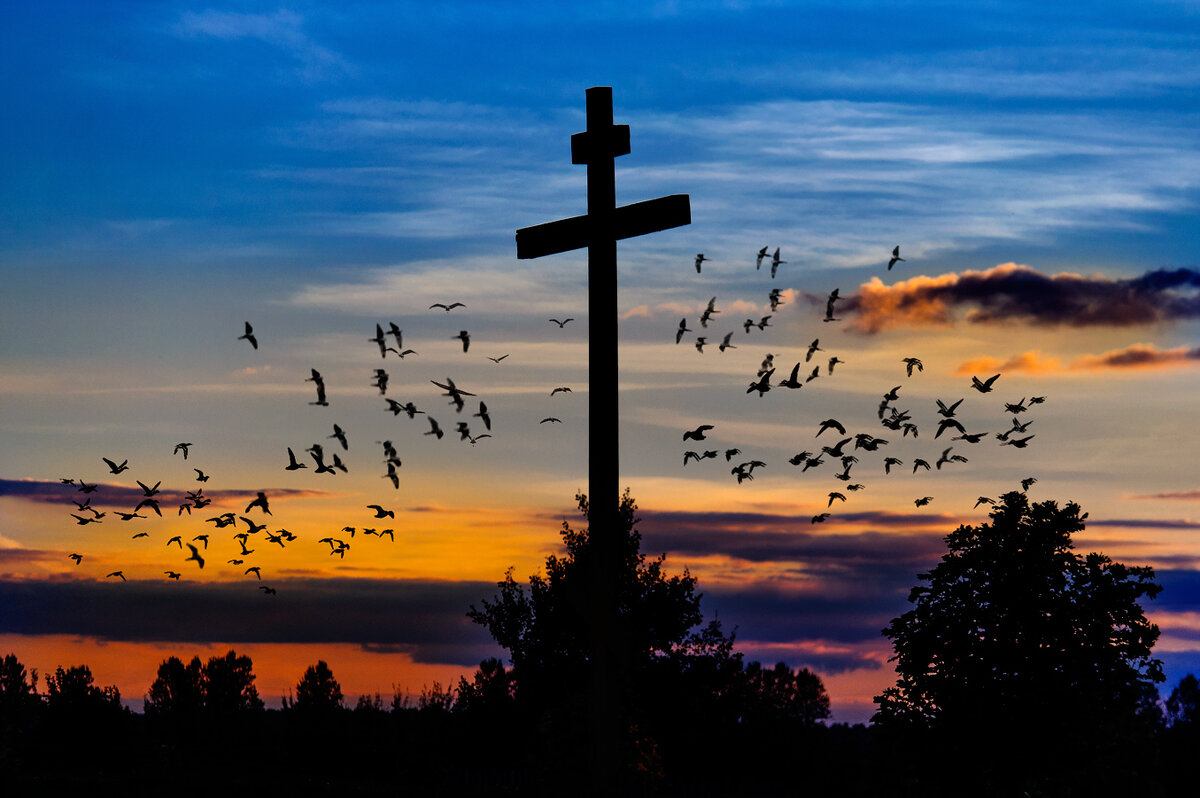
column 228, row 685
column 658, row 657
column 779, row 694
column 317, row 691
column 178, row 689
column 73, row 692
column 1183, row 705
column 1022, row 646
column 18, row 687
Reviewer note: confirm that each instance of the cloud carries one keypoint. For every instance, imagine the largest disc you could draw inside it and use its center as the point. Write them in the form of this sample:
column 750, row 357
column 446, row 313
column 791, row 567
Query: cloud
column 283, row 29
column 1015, row 294
column 425, row 618
column 1186, row 495
column 1134, row 356
column 110, row 495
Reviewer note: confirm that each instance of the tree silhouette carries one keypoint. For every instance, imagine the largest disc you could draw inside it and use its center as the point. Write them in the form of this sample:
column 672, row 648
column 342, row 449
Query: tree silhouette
column 73, row 692
column 778, row 694
column 1183, row 705
column 177, row 690
column 228, row 685
column 317, row 691
column 1024, row 647
column 18, row 687
column 659, row 658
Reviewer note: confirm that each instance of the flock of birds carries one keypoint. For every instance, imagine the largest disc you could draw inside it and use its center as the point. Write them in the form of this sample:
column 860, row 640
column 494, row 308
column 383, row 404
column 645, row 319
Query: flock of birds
column 843, row 456
column 244, row 537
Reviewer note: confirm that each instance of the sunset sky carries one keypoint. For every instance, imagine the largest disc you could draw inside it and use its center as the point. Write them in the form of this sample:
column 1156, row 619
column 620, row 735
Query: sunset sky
column 173, row 170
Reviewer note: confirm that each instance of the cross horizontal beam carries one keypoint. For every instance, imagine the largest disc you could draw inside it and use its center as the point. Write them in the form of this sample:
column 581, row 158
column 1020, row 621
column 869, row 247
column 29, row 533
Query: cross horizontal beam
column 626, row 221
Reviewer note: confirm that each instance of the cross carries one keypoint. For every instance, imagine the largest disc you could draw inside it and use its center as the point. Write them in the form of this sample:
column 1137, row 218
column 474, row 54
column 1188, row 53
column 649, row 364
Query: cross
column 599, row 230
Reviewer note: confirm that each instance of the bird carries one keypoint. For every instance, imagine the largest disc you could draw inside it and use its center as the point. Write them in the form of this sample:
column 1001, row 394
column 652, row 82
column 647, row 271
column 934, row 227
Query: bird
column 762, row 253
column 700, row 342
column 293, row 464
column 463, row 336
column 1019, row 443
column 140, row 535
column 151, row 503
column 84, row 521
column 1036, row 400
column 970, row 437
column 446, row 307
column 267, row 591
column 690, row 455
column 919, row 463
column 177, row 540
column 560, row 389
column 203, row 538
column 947, row 458
column 888, row 462
column 397, row 408
column 892, row 395
column 254, row 569
column 78, row 558
column 200, row 475
column 381, row 381
column 497, row 359
column 911, row 363
column 550, row 419
column 983, row 500
column 697, row 434
column 434, row 428
column 836, row 450
column 261, row 502
column 820, row 518
column 813, row 347
column 923, row 501
column 762, row 385
column 729, row 453
column 173, row 575
column 396, row 333
column 120, row 574
column 776, row 263
column 833, row 361
column 831, row 423
column 947, row 411
column 380, row 341
column 454, row 392
column 340, row 435
column 562, row 323
column 392, row 475
column 683, row 328
column 775, row 299
column 317, row 379
column 182, row 447
column 1027, row 482
column 709, row 312
column 1015, row 407
column 380, row 512
column 835, row 495
column 986, row 385
column 948, row 423
column 484, row 416
column 725, row 343
column 895, row 257
column 249, row 336
column 700, row 259
column 114, row 468
column 793, row 380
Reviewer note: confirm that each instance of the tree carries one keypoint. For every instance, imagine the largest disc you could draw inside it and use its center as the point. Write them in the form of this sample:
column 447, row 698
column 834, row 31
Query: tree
column 317, row 691
column 778, row 694
column 1183, row 705
column 1019, row 641
column 18, row 687
column 490, row 693
column 177, row 690
column 658, row 657
column 228, row 685
column 73, row 692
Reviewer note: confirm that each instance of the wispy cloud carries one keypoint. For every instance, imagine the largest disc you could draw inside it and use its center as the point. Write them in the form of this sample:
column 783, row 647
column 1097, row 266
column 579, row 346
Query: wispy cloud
column 1134, row 356
column 283, row 29
column 1184, row 495
column 1017, row 294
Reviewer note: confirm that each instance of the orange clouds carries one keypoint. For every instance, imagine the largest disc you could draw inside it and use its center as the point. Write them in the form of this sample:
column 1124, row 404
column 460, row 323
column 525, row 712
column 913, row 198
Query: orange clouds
column 1135, row 356
column 1013, row 293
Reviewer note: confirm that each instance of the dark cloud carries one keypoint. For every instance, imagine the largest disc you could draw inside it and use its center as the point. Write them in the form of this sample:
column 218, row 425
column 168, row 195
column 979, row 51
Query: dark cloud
column 110, row 495
column 1186, row 495
column 426, row 619
column 1018, row 294
column 1146, row 523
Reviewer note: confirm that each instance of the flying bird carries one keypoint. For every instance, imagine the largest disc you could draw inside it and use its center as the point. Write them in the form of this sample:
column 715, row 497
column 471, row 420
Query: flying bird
column 923, row 501
column 76, row 557
column 249, row 336
column 484, row 416
column 762, row 253
column 173, row 575
column 380, row 341
column 919, row 463
column 984, row 500
column 434, row 428
column 700, row 342
column 830, row 423
column 895, row 257
column 497, row 359
column 709, row 312
column 1027, row 482
column 182, row 447
column 267, row 591
column 121, row 574
column 560, row 389
column 986, row 385
column 700, row 259
column 683, row 328
column 446, row 307
column 114, row 468
column 200, row 475
column 913, row 362
column 551, row 419
column 254, row 569
column 762, row 385
column 340, row 435
column 463, row 336
column 776, row 263
column 833, row 361
column 793, row 380
column 947, row 411
column 261, row 502
column 293, row 464
column 697, row 434
column 820, row 518
column 317, row 379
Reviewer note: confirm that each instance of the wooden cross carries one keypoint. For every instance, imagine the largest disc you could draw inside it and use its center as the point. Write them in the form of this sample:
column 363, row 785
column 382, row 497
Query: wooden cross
column 599, row 231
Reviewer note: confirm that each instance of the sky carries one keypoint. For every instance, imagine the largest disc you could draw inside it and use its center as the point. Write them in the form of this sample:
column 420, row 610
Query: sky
column 174, row 170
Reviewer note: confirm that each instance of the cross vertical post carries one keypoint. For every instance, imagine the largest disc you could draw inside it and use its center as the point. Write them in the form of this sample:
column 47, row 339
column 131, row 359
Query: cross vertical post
column 605, row 223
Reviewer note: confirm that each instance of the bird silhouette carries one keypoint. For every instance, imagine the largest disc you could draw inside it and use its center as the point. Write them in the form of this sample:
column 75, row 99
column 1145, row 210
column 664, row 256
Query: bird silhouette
column 268, row 591
column 911, row 363
column 260, row 502
column 888, row 462
column 484, row 416
column 762, row 253
column 446, row 307
column 319, row 381
column 700, row 342
column 762, row 385
column 812, row 348
column 560, row 389
column 455, row 393
column 895, row 257
column 1015, row 407
column 729, row 454
column 497, row 359
column 340, row 435
column 776, row 263
column 1019, row 443
column 949, row 423
column 140, row 535
column 923, row 501
column 293, row 464
column 833, row 361
column 550, row 419
column 84, row 521
column 254, row 569
column 793, row 379
column 380, row 341
column 1027, row 483
column 120, row 574
column 947, row 411
column 182, row 447
column 78, row 558
column 151, row 503
column 835, row 495
column 820, row 518
column 709, row 312
column 562, row 323
column 697, row 434
column 463, row 336
column 249, row 336
column 200, row 475
column 983, row 500
column 919, row 463
column 700, row 259
column 173, row 575
column 831, row 423
column 725, row 343
column 434, row 428
column 986, row 385
column 392, row 475
column 114, row 468
column 683, row 328
column 775, row 299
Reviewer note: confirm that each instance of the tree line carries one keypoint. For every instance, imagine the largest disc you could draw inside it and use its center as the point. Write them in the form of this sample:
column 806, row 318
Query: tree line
column 1023, row 668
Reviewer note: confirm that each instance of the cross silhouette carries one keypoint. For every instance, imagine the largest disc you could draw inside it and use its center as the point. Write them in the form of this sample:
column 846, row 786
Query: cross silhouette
column 599, row 230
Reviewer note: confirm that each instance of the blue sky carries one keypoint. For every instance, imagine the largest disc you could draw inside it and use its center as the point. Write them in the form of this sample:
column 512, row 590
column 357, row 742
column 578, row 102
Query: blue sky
column 172, row 170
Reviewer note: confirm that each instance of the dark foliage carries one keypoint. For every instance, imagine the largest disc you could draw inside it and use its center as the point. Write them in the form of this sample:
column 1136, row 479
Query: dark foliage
column 318, row 692
column 1033, row 653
